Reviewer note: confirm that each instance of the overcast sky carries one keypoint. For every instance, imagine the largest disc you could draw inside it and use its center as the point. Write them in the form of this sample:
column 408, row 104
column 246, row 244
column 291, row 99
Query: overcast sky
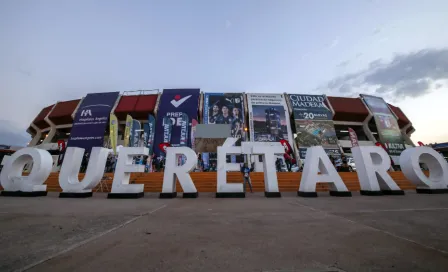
column 62, row 50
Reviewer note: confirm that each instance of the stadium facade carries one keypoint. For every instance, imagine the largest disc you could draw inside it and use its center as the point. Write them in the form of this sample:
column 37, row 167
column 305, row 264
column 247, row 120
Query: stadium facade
column 301, row 119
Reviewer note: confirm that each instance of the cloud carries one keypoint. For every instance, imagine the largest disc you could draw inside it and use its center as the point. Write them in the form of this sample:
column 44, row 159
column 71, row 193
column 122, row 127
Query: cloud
column 12, row 135
column 333, row 43
column 406, row 75
column 343, row 63
column 376, row 31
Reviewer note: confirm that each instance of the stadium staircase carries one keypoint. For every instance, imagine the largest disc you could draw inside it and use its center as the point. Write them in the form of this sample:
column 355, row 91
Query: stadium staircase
column 206, row 181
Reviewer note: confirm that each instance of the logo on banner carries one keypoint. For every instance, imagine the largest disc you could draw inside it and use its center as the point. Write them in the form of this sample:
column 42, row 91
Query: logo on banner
column 85, row 113
column 164, row 146
column 177, row 101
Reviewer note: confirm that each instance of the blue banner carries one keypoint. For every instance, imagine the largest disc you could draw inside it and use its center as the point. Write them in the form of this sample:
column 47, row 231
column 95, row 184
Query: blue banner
column 173, row 103
column 184, row 130
column 91, row 120
column 149, row 129
column 135, row 133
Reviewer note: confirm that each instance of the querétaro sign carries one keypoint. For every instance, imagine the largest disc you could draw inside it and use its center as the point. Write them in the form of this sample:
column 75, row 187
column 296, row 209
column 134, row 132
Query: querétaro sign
column 314, row 124
column 386, row 123
column 91, row 120
column 173, row 104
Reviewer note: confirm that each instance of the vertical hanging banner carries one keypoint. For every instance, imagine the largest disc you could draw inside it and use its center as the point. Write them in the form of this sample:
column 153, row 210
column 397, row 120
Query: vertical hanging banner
column 386, row 123
column 314, row 124
column 224, row 108
column 184, row 130
column 113, row 132
column 353, row 137
column 268, row 118
column 149, row 130
column 91, row 120
column 173, row 104
column 135, row 133
column 128, row 130
column 167, row 129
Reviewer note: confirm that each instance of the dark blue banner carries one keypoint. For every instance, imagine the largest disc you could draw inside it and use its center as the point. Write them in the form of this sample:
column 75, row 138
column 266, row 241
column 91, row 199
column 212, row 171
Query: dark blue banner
column 184, row 130
column 173, row 104
column 91, row 120
column 135, row 134
column 149, row 129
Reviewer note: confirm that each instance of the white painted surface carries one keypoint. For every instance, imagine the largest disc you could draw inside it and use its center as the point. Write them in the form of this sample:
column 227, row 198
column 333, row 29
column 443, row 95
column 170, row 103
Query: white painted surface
column 410, row 160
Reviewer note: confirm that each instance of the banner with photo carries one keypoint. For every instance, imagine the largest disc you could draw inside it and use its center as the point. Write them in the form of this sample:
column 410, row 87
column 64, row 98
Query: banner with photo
column 268, row 118
column 224, row 108
column 314, row 124
column 386, row 123
column 91, row 120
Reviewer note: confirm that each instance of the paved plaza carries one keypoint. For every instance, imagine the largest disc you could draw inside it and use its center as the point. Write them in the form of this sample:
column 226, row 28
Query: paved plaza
column 361, row 233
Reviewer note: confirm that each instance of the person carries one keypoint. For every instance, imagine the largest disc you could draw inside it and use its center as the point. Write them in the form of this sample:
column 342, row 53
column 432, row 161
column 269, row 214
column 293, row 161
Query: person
column 237, row 123
column 225, row 118
column 162, row 164
column 245, row 170
column 212, row 167
column 84, row 163
column 200, row 165
column 344, row 166
column 214, row 115
column 288, row 161
column 278, row 164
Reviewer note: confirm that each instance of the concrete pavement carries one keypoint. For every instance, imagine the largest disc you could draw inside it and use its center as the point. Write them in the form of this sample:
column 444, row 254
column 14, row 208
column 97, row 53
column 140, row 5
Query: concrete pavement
column 361, row 233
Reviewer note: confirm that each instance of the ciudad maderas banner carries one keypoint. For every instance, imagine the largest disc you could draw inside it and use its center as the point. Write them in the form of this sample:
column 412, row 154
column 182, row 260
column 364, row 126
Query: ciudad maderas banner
column 91, row 120
column 268, row 118
column 386, row 123
column 314, row 124
column 173, row 104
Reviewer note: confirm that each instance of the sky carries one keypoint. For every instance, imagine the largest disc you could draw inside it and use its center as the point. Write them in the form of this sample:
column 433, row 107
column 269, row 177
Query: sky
column 62, row 50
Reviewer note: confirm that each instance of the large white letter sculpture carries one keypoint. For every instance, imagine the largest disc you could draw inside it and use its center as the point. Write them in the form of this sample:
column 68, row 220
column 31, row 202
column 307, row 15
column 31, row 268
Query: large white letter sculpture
column 225, row 189
column 120, row 185
column 316, row 161
column 182, row 172
column 14, row 184
column 270, row 174
column 68, row 176
column 372, row 164
column 437, row 181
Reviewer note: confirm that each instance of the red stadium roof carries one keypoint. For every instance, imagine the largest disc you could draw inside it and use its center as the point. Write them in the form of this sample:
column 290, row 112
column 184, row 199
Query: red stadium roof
column 62, row 112
column 402, row 119
column 138, row 106
column 348, row 109
column 39, row 121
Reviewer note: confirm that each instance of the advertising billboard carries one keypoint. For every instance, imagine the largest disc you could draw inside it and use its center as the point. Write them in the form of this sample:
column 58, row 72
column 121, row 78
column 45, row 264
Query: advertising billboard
column 91, row 120
column 224, row 108
column 386, row 123
column 173, row 104
column 314, row 124
column 268, row 118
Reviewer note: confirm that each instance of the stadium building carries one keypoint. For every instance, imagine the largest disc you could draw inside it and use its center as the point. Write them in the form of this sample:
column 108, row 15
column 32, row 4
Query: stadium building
column 54, row 122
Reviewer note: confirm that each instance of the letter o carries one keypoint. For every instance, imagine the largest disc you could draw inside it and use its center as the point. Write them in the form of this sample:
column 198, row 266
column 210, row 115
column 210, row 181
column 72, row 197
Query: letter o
column 11, row 177
column 438, row 168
